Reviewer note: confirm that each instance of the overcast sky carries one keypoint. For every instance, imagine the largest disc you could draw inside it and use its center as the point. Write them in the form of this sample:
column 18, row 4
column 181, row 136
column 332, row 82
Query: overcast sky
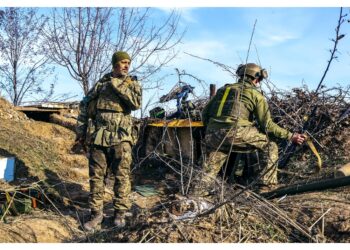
column 292, row 43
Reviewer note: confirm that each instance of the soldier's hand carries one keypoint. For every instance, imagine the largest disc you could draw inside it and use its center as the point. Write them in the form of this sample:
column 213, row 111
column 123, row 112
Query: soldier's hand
column 298, row 138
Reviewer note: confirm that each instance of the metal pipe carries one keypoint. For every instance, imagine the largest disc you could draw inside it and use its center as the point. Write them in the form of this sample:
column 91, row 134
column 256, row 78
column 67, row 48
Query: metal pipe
column 212, row 89
column 313, row 186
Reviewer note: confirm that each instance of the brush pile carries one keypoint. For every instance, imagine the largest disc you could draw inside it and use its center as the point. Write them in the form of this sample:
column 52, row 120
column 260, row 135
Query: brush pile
column 329, row 124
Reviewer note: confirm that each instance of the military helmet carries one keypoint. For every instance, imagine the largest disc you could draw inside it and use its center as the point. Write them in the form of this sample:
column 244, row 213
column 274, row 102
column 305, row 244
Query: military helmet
column 252, row 70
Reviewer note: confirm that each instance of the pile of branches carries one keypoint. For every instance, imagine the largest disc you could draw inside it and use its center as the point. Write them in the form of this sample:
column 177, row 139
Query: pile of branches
column 329, row 125
column 243, row 217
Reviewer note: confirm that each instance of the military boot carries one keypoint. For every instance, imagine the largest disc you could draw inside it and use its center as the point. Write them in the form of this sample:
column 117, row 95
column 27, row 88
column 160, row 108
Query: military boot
column 94, row 222
column 198, row 191
column 119, row 219
column 201, row 189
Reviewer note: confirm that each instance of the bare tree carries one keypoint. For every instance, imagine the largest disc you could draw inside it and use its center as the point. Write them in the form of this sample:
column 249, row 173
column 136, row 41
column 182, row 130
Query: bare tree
column 83, row 40
column 23, row 62
column 79, row 39
column 151, row 45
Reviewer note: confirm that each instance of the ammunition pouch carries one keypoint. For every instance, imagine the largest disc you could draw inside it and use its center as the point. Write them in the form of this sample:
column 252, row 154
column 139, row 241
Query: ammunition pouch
column 112, row 128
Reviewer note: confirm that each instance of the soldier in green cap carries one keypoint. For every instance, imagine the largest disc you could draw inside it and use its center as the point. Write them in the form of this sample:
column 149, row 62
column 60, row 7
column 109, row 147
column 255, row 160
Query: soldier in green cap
column 105, row 125
column 238, row 119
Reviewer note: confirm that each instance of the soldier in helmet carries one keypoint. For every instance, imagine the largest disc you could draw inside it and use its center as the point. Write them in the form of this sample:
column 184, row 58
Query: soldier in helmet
column 238, row 119
column 105, row 125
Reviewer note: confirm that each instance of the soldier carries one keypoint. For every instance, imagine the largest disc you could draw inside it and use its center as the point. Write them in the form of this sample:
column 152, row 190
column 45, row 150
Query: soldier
column 105, row 125
column 238, row 119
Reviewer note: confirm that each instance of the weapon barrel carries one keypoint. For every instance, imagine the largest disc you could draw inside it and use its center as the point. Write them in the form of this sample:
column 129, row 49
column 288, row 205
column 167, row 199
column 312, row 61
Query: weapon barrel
column 212, row 89
column 313, row 186
column 289, row 151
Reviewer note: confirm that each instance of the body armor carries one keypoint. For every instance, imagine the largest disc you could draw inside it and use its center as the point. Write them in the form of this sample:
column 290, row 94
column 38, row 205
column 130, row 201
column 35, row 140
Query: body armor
column 228, row 105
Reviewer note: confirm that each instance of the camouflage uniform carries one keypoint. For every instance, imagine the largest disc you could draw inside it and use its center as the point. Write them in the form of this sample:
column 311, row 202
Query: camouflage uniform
column 106, row 124
column 229, row 118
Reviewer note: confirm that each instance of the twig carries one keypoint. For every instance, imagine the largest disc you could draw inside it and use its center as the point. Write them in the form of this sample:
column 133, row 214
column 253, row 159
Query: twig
column 174, row 222
column 181, row 165
column 144, row 237
column 226, row 68
column 336, row 40
column 309, row 228
column 8, row 207
column 250, row 41
column 323, row 222
column 59, row 212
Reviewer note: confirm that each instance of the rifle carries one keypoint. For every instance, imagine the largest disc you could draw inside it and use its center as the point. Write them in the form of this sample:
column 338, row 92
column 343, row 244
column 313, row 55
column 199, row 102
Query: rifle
column 291, row 147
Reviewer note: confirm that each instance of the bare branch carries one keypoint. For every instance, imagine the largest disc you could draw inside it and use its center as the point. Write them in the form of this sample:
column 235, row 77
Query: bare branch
column 23, row 62
column 79, row 39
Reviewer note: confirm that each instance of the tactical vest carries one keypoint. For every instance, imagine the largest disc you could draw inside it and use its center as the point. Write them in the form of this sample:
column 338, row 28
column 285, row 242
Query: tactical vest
column 228, row 103
column 108, row 100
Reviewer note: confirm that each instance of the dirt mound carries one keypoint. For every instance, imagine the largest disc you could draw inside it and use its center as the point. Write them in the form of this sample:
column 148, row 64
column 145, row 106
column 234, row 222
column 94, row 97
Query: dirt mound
column 64, row 120
column 43, row 155
column 39, row 147
column 39, row 226
column 326, row 214
column 7, row 111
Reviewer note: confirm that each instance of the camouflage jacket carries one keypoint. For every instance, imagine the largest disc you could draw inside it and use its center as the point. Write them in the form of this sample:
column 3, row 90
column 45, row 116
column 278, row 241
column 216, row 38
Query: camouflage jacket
column 241, row 104
column 104, row 117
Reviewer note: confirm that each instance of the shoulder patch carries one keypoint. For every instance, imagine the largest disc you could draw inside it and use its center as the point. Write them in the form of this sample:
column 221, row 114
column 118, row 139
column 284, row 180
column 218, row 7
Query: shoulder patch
column 134, row 78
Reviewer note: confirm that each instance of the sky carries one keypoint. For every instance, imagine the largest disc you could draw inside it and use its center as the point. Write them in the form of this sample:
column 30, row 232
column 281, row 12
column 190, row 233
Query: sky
column 291, row 41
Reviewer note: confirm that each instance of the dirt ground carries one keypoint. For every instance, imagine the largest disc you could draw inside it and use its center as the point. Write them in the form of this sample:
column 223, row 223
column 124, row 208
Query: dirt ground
column 46, row 163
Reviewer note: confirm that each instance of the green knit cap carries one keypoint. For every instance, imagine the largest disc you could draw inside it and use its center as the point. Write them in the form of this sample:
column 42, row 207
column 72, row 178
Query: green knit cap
column 118, row 56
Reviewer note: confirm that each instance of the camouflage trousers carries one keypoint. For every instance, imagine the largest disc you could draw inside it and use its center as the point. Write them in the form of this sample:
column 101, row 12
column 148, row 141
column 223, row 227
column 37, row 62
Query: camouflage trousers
column 116, row 159
column 220, row 143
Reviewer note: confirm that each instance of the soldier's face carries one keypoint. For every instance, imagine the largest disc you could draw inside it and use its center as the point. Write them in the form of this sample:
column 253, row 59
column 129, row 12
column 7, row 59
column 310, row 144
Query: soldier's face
column 122, row 67
column 256, row 83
